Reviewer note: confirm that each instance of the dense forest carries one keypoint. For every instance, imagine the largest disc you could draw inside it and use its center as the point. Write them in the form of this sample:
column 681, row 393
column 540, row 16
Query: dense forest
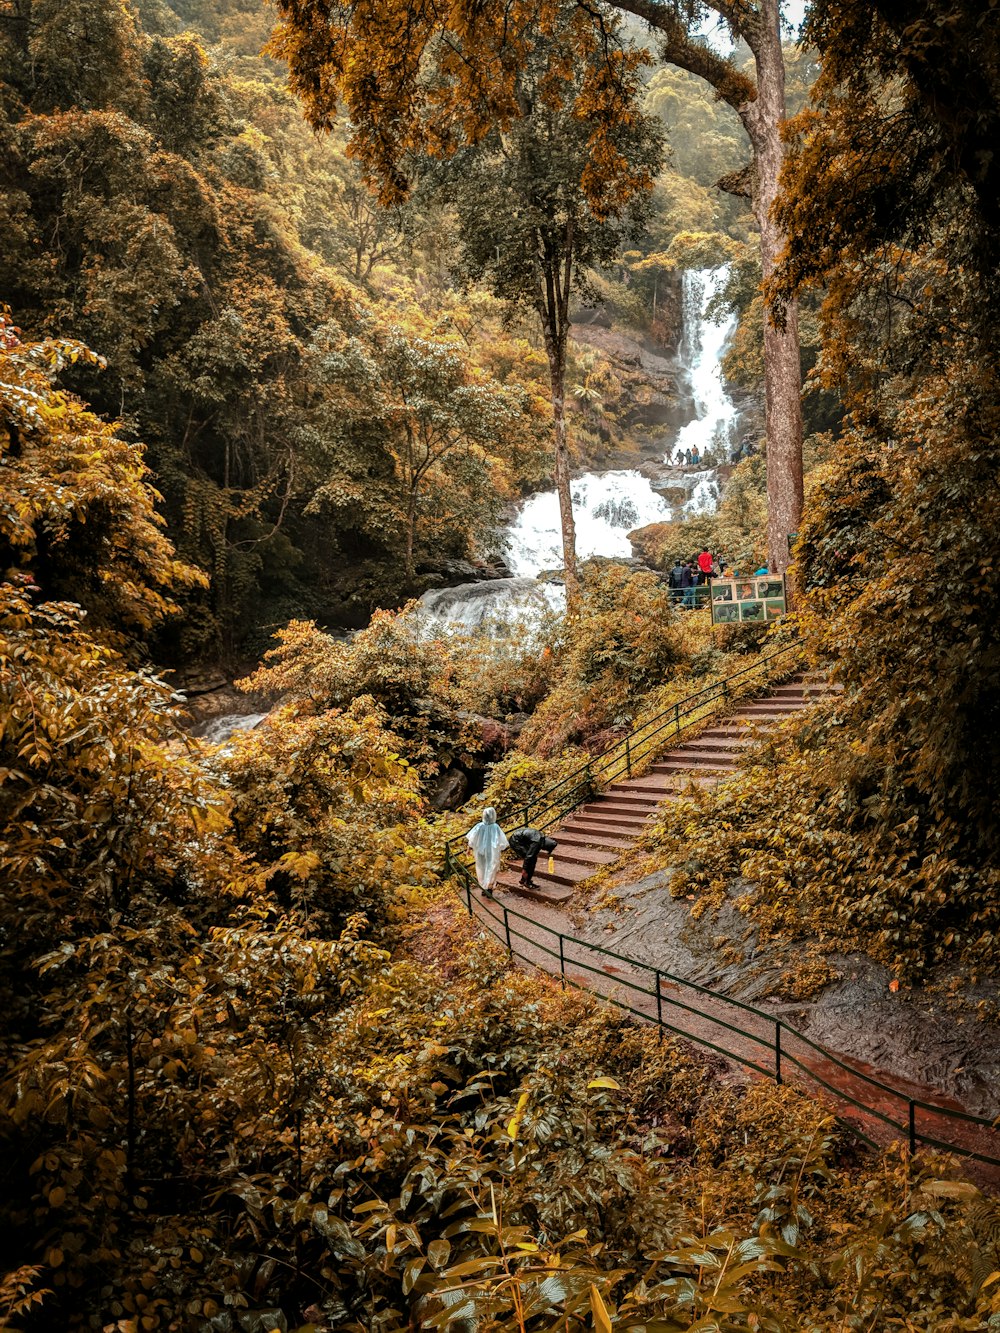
column 297, row 305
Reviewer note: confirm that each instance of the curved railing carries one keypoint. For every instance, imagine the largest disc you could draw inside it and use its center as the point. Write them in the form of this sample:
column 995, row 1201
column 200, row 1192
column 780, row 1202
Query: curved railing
column 770, row 1045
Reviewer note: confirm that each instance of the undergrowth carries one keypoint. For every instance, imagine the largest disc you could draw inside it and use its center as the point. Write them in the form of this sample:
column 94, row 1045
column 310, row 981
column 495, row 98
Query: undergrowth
column 809, row 826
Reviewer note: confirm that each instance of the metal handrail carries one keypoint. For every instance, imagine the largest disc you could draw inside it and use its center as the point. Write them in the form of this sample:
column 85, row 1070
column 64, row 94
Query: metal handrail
column 777, row 1026
column 624, row 749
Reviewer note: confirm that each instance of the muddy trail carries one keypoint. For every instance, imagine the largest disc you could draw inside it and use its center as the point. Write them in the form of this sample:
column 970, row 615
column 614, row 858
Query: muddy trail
column 929, row 1071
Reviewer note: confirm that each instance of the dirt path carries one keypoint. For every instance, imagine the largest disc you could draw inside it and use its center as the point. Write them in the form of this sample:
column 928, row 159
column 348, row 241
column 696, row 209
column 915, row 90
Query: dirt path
column 761, row 1043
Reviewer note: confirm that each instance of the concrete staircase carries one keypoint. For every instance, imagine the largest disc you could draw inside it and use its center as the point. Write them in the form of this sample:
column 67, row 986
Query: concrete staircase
column 599, row 833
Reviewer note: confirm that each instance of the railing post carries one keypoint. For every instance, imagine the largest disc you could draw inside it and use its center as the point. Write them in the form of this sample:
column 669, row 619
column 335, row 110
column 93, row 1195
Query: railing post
column 527, row 814
column 628, row 757
column 777, row 1051
column 659, row 1008
column 677, row 719
column 913, row 1127
column 506, row 926
column 562, row 964
column 468, row 895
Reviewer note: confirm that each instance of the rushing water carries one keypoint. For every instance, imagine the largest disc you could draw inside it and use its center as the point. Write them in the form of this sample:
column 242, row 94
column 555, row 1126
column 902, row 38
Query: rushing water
column 608, row 505
column 703, row 345
column 218, row 729
column 489, row 605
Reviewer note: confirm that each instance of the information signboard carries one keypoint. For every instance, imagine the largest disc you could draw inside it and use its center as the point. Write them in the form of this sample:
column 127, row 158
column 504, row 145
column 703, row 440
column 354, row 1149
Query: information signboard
column 752, row 600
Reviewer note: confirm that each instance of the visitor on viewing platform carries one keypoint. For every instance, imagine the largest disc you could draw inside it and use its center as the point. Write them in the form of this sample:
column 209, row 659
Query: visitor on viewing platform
column 687, row 457
column 674, row 580
column 705, row 563
column 696, row 457
column 487, row 840
column 687, row 583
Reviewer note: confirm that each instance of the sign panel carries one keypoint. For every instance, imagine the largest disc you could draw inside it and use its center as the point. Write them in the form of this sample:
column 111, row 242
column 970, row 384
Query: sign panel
column 752, row 600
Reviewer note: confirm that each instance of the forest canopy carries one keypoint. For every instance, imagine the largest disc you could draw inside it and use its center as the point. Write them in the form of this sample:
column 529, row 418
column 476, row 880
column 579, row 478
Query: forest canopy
column 260, row 388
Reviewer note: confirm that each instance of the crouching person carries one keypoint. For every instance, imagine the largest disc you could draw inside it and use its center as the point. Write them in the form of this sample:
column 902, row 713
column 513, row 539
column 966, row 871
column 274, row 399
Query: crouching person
column 529, row 843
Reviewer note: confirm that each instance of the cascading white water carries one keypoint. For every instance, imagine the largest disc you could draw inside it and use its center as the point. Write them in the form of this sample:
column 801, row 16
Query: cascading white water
column 219, row 729
column 606, row 505
column 705, row 492
column 489, row 606
column 702, row 347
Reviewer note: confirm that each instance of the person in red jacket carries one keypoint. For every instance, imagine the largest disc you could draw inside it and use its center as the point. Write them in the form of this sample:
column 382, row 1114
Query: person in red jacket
column 704, row 565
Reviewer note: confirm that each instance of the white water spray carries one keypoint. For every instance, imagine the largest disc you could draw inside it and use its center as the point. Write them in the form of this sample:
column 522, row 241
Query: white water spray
column 702, row 347
column 606, row 507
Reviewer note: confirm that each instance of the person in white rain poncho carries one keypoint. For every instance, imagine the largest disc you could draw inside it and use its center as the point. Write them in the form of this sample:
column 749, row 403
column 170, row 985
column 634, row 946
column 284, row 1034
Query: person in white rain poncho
column 487, row 841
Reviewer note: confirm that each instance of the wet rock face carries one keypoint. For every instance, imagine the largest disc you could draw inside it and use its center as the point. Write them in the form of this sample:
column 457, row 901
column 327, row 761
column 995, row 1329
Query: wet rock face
column 495, row 737
column 655, row 544
column 450, row 790
column 450, row 572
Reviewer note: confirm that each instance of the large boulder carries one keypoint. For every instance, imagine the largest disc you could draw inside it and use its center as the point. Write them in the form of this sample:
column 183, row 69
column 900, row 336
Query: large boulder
column 449, row 790
column 495, row 737
column 655, row 544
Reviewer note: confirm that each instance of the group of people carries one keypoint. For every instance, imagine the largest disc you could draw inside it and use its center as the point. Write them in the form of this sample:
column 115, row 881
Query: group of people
column 694, row 457
column 488, row 843
column 686, row 575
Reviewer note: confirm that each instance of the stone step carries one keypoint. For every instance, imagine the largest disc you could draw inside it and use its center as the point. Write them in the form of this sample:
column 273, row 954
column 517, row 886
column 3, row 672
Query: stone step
column 600, row 824
column 658, row 791
column 766, row 706
column 704, row 758
column 702, row 775
column 624, row 800
column 605, row 842
column 556, row 897
column 665, row 767
column 611, row 813
column 567, row 877
column 584, row 856
column 708, row 742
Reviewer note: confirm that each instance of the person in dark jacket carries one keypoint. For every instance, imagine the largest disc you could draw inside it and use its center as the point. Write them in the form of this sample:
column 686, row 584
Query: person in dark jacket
column 674, row 581
column 529, row 843
column 687, row 583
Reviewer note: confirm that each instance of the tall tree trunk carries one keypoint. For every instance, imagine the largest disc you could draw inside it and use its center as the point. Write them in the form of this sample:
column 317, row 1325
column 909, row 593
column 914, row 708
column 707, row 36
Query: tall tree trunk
column 761, row 107
column 782, row 373
column 557, row 367
column 411, row 523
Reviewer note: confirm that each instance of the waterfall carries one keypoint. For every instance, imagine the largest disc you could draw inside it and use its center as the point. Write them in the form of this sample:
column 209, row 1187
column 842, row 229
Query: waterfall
column 491, row 605
column 702, row 346
column 606, row 505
